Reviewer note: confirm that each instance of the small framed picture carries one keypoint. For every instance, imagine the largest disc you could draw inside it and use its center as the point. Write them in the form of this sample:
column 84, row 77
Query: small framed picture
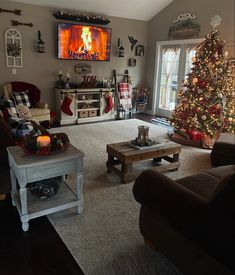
column 131, row 62
column 139, row 50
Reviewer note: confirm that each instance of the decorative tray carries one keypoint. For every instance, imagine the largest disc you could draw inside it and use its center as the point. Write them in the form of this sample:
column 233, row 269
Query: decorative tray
column 59, row 143
column 147, row 145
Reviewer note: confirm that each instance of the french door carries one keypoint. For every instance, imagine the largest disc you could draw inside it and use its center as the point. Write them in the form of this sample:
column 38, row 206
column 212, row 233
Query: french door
column 173, row 63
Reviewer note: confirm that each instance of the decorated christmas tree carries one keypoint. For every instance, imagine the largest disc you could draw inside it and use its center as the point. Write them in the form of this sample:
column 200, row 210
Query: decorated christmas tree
column 206, row 101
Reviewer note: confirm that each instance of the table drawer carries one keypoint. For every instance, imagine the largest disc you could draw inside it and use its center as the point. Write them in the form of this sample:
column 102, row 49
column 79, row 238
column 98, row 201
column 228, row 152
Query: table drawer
column 48, row 171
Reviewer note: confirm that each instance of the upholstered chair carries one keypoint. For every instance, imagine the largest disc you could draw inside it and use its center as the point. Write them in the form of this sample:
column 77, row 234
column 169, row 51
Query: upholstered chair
column 38, row 110
column 191, row 220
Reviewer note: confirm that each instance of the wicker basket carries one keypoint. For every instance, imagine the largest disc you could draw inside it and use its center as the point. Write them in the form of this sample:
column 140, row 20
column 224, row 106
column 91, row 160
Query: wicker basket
column 92, row 113
column 82, row 114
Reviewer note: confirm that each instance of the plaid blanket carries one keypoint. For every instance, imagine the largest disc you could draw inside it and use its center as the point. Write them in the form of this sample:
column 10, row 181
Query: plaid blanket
column 125, row 95
column 21, row 128
column 124, row 90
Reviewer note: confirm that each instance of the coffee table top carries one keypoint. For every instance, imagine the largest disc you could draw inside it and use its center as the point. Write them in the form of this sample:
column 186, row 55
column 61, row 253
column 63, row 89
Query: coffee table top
column 125, row 152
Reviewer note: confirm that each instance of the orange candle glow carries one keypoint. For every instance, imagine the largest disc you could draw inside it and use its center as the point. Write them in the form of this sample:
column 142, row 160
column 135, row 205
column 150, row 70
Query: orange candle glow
column 43, row 141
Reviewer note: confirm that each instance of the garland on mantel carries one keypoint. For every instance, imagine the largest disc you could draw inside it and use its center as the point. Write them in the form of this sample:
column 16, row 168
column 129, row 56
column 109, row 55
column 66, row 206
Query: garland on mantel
column 82, row 18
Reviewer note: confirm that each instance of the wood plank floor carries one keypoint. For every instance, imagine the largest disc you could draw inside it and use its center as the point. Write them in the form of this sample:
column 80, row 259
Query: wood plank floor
column 38, row 251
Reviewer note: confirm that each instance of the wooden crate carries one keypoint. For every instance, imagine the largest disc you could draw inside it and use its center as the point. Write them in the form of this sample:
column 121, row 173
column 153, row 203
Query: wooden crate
column 82, row 114
column 92, row 113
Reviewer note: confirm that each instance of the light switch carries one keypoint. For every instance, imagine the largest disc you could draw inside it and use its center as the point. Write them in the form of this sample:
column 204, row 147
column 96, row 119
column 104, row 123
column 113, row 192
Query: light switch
column 13, row 70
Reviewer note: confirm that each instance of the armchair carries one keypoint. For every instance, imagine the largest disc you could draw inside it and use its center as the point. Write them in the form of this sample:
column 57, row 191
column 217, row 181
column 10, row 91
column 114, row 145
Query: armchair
column 190, row 220
column 38, row 110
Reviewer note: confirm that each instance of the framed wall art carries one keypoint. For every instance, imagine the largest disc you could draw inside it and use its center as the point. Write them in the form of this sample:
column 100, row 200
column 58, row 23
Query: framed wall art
column 139, row 50
column 131, row 62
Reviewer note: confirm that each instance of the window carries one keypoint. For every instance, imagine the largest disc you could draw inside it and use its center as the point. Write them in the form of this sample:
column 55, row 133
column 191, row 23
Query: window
column 173, row 63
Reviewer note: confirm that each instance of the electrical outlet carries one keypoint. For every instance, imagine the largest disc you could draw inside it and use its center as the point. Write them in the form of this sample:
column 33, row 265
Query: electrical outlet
column 13, row 70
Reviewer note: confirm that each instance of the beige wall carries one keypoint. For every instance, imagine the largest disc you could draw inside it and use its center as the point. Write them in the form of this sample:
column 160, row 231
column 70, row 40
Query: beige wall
column 204, row 10
column 41, row 69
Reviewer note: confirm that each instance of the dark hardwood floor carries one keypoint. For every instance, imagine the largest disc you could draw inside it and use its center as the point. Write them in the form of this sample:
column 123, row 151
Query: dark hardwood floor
column 38, row 251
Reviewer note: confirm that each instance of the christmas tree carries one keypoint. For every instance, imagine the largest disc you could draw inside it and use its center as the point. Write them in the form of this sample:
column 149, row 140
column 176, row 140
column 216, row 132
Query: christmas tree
column 206, row 101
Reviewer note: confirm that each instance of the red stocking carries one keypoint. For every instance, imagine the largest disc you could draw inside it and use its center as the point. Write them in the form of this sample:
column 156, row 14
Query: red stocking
column 65, row 107
column 109, row 104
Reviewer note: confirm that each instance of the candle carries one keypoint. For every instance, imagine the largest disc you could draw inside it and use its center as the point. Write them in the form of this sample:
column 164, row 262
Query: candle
column 43, row 141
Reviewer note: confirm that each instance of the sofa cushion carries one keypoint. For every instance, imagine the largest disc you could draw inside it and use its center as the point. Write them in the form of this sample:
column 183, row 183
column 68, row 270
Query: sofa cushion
column 22, row 98
column 39, row 112
column 193, row 183
column 223, row 152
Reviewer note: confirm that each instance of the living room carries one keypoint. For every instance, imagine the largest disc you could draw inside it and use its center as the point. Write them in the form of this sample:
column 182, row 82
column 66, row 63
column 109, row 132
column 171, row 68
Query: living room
column 105, row 238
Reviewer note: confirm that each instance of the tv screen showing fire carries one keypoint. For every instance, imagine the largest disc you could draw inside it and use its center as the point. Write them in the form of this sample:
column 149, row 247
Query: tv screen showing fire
column 83, row 42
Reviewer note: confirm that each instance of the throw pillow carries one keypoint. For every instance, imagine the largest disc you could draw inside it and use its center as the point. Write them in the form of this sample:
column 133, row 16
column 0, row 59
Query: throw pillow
column 22, row 98
column 24, row 112
column 10, row 107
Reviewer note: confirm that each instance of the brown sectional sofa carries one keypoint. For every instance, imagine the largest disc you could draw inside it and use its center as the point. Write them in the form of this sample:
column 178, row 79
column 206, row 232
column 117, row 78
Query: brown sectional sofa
column 190, row 220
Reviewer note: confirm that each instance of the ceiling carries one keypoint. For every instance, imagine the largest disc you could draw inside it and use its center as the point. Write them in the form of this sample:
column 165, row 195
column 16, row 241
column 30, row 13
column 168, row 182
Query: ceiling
column 133, row 9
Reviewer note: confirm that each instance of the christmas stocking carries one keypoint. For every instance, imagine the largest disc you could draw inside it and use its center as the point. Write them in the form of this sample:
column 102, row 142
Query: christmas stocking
column 65, row 106
column 109, row 103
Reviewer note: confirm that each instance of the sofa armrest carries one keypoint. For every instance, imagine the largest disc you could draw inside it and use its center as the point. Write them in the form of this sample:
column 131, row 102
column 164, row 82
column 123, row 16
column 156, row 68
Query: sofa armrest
column 41, row 105
column 159, row 192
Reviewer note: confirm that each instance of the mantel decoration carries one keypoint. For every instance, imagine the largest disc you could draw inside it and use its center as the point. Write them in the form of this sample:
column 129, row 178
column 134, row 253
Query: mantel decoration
column 45, row 145
column 184, row 26
column 13, row 48
column 82, row 18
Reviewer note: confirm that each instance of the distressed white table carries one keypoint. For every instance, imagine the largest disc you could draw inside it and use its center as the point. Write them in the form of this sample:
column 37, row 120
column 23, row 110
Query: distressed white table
column 31, row 168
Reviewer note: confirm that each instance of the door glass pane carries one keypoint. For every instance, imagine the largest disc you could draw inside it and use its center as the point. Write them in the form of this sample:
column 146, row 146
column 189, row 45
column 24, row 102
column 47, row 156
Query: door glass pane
column 169, row 78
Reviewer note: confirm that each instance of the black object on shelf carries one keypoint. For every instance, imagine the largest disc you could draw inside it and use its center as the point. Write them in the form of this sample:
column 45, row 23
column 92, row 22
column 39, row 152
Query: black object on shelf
column 82, row 18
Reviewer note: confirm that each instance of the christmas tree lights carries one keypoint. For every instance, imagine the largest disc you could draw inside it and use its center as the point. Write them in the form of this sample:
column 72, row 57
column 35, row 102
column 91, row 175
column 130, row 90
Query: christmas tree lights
column 206, row 102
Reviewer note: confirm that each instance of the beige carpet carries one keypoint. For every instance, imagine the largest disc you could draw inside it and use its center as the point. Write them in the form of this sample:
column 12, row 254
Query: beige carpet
column 105, row 238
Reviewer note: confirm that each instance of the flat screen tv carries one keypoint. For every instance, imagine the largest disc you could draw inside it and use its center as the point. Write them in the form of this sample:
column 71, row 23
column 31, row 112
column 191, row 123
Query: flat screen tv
column 83, row 42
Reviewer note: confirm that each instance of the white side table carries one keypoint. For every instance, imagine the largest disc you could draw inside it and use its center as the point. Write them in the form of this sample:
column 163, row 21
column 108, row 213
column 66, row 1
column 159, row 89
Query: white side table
column 31, row 168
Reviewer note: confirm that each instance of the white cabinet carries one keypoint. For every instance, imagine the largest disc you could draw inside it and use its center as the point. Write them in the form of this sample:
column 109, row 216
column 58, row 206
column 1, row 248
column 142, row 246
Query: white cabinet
column 85, row 105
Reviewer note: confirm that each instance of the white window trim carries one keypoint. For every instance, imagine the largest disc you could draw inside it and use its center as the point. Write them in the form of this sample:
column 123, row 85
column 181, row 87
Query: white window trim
column 157, row 64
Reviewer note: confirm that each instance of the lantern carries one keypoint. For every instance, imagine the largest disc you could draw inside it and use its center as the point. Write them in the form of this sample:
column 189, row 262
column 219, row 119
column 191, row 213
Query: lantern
column 120, row 48
column 121, row 112
column 41, row 44
column 121, row 52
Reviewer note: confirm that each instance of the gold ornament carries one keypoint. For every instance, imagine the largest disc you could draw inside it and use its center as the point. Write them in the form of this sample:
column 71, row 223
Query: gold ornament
column 195, row 80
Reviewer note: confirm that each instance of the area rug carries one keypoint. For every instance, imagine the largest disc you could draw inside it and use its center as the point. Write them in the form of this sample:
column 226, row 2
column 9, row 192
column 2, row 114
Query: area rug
column 105, row 238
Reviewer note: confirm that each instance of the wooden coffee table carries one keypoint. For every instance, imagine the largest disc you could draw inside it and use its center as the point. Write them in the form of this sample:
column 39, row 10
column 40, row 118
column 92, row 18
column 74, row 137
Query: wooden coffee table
column 122, row 153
